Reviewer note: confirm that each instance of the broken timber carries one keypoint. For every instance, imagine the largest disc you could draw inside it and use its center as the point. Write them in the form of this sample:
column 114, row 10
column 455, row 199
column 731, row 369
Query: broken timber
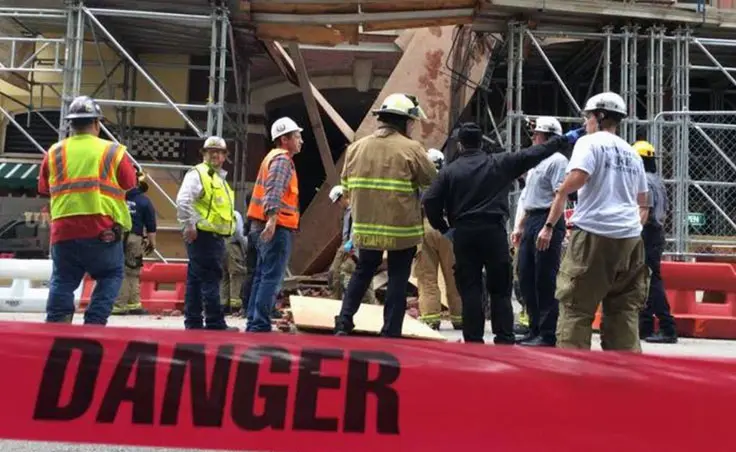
column 420, row 72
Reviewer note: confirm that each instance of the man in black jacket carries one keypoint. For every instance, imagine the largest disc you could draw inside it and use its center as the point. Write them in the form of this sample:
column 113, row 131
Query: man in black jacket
column 473, row 191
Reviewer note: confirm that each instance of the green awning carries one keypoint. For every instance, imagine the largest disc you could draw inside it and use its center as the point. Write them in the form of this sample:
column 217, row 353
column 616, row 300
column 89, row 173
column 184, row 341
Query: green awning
column 16, row 176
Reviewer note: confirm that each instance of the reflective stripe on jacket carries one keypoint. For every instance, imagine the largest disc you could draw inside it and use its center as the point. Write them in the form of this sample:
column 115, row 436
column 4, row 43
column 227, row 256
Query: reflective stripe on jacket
column 383, row 176
column 288, row 215
column 83, row 179
column 216, row 205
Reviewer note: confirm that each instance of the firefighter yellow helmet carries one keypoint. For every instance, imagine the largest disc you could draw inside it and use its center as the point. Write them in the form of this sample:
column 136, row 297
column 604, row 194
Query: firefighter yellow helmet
column 402, row 105
column 644, row 148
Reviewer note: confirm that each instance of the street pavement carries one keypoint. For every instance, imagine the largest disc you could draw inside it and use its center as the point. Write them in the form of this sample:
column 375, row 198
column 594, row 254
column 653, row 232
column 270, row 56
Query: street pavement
column 686, row 347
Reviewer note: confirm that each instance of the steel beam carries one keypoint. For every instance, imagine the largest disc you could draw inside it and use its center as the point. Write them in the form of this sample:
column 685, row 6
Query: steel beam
column 146, row 104
column 153, row 15
column 360, row 18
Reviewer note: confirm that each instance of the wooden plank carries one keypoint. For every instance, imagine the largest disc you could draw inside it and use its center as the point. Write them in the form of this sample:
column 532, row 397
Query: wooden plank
column 319, row 313
column 314, row 117
column 305, row 34
column 341, row 124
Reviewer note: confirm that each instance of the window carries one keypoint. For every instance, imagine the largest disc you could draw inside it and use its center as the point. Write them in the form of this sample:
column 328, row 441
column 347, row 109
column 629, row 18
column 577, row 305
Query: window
column 34, row 124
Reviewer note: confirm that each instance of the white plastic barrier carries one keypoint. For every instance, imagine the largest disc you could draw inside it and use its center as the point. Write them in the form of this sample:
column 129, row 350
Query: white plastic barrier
column 21, row 296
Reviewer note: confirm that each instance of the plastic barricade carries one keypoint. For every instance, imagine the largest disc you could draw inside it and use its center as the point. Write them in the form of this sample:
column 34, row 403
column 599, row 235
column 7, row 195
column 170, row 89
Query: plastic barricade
column 682, row 282
column 27, row 290
column 162, row 287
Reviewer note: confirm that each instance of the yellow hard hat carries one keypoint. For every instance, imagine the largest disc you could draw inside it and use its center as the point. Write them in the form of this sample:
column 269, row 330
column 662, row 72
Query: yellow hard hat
column 644, row 148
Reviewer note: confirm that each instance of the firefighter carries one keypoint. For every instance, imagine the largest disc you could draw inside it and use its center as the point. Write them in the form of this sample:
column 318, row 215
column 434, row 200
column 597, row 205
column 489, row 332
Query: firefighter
column 274, row 215
column 538, row 269
column 473, row 190
column 234, row 270
column 436, row 252
column 382, row 175
column 605, row 256
column 654, row 240
column 346, row 257
column 86, row 178
column 140, row 241
column 205, row 210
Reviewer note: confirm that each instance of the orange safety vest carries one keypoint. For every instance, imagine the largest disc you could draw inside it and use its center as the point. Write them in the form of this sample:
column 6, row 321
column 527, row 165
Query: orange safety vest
column 288, row 216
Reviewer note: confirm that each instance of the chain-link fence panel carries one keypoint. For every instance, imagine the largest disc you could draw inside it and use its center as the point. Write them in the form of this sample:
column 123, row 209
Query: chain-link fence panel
column 700, row 172
column 665, row 157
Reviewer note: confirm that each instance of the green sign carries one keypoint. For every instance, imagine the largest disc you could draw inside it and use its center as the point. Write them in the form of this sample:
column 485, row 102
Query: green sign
column 696, row 219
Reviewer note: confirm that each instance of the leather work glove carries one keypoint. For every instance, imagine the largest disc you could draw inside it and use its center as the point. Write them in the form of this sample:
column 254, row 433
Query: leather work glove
column 573, row 135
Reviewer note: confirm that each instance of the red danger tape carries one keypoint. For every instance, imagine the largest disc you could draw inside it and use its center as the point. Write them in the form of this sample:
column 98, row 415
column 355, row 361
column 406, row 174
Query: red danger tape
column 307, row 393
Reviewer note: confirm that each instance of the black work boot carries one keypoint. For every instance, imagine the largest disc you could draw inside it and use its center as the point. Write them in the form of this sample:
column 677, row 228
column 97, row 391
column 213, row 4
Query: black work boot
column 662, row 337
column 537, row 341
column 341, row 327
column 646, row 329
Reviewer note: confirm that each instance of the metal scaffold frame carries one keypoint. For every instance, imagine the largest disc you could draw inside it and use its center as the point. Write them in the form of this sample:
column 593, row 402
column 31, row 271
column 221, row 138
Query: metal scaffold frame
column 662, row 57
column 68, row 59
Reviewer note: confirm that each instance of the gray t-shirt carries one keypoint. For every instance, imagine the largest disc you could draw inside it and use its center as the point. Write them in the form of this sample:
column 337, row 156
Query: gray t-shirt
column 543, row 181
column 658, row 203
column 347, row 225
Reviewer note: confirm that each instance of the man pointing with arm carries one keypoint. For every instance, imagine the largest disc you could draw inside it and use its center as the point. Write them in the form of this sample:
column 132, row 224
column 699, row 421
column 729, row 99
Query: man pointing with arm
column 473, row 190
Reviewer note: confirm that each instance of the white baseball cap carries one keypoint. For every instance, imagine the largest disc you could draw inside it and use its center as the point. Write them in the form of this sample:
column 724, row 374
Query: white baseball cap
column 282, row 126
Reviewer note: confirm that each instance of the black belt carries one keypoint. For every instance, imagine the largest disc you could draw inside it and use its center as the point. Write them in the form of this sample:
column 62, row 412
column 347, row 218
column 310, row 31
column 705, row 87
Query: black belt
column 538, row 211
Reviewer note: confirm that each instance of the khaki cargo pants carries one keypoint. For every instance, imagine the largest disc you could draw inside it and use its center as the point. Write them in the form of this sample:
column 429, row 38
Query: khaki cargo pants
column 599, row 269
column 233, row 276
column 437, row 253
column 340, row 272
column 129, row 297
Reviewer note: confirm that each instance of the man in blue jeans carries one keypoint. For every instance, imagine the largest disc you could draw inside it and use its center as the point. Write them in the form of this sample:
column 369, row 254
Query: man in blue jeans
column 205, row 209
column 274, row 215
column 86, row 178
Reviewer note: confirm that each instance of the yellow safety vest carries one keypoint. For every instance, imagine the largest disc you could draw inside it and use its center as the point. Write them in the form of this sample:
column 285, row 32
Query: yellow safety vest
column 83, row 179
column 216, row 206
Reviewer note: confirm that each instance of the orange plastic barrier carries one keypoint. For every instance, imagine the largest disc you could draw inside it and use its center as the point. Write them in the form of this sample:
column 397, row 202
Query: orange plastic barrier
column 274, row 392
column 155, row 296
column 682, row 280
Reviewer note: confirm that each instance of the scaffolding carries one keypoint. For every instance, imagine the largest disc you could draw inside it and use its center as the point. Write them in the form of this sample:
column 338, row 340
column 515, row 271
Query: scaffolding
column 78, row 22
column 660, row 72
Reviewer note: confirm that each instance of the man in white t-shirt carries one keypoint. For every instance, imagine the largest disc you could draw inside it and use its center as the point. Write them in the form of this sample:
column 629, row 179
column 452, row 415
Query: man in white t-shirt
column 604, row 261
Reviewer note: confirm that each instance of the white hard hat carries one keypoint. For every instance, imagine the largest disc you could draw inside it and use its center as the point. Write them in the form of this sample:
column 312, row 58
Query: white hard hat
column 609, row 101
column 214, row 143
column 435, row 155
column 336, row 193
column 402, row 105
column 282, row 126
column 548, row 124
